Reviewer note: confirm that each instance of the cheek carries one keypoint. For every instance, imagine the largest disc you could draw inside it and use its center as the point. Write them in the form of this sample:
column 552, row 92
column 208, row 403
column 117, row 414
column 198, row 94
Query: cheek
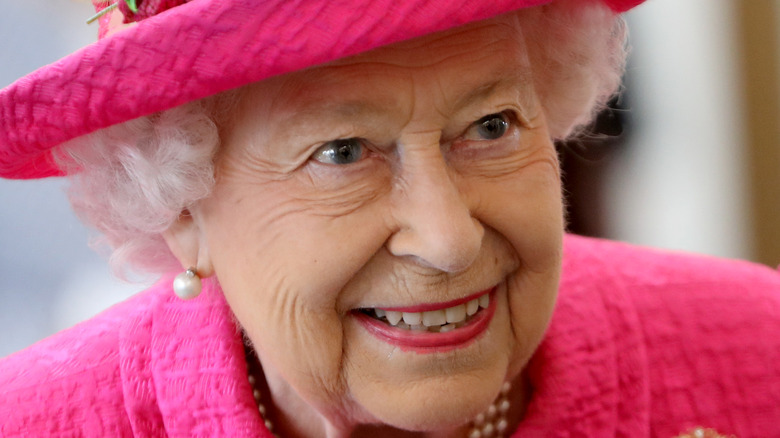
column 527, row 211
column 282, row 271
column 290, row 237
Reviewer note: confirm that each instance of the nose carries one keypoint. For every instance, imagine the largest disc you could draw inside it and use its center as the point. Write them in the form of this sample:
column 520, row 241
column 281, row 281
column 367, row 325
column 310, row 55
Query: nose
column 433, row 217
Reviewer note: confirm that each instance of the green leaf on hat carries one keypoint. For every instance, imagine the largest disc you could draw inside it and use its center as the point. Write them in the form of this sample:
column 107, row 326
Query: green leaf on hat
column 132, row 6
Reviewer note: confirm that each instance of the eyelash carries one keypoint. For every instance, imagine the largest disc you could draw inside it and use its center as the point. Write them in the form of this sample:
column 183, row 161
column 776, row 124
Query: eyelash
column 486, row 122
column 336, row 150
column 342, row 151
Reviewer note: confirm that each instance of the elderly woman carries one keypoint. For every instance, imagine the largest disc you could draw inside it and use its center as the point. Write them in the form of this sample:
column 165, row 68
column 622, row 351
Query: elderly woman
column 363, row 201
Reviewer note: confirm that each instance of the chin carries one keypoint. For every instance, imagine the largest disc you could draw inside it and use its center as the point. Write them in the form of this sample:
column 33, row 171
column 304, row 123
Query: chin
column 436, row 406
column 436, row 391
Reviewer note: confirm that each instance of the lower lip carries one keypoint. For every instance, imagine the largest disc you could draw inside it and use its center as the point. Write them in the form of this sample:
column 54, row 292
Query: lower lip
column 427, row 342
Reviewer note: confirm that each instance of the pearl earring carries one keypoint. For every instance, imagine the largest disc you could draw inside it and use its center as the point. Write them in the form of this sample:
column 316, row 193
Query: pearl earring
column 187, row 284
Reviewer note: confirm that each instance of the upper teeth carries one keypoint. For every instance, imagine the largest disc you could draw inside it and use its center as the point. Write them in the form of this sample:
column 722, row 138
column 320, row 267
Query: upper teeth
column 442, row 319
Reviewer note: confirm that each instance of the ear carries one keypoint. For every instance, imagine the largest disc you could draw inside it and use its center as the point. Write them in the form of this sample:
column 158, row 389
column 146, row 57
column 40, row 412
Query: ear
column 187, row 242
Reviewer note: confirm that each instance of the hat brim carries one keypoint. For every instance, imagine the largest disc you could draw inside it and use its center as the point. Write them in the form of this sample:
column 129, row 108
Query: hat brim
column 202, row 48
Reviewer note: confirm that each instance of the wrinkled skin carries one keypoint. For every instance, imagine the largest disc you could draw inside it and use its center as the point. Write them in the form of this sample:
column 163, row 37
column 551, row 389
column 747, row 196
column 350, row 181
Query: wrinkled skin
column 429, row 212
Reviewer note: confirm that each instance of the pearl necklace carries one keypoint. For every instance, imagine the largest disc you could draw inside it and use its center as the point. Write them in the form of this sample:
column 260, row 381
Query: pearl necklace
column 491, row 423
column 260, row 406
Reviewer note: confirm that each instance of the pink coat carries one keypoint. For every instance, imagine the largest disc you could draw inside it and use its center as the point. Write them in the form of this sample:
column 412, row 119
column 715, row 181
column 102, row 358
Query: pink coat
column 643, row 343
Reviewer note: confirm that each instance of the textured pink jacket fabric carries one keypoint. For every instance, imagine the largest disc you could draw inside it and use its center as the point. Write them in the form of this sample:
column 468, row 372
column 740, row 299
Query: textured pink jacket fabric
column 643, row 343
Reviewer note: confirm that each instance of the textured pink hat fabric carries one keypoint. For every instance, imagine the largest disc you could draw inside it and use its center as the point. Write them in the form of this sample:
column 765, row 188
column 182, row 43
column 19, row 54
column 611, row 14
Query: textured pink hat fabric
column 201, row 48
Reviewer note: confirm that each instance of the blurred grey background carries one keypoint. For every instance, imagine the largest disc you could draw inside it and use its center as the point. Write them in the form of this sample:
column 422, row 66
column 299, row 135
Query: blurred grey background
column 49, row 277
column 691, row 175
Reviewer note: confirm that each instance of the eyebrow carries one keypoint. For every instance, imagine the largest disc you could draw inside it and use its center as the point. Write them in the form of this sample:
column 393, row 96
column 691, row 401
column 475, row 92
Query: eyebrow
column 362, row 109
column 345, row 110
column 484, row 91
column 477, row 94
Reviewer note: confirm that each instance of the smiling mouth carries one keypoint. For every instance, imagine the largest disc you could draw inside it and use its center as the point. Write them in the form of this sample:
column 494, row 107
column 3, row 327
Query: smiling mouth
column 432, row 321
column 427, row 328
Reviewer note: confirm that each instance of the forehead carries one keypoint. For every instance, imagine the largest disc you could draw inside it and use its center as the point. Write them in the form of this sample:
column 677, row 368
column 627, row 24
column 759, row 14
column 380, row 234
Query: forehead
column 458, row 65
column 480, row 40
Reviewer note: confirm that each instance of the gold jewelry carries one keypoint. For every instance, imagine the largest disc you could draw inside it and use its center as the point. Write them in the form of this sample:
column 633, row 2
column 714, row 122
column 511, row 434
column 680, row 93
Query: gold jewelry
column 701, row 432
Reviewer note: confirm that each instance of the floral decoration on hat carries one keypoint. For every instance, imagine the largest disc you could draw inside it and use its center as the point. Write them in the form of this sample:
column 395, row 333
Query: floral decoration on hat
column 137, row 10
column 132, row 10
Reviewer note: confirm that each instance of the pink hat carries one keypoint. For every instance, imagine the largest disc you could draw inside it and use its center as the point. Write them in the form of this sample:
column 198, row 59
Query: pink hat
column 188, row 50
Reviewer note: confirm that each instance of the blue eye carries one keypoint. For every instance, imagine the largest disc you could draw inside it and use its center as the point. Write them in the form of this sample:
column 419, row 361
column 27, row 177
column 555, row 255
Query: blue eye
column 341, row 151
column 490, row 127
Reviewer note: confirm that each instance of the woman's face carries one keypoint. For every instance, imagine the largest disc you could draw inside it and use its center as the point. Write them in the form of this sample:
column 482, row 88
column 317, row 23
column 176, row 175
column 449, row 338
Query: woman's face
column 418, row 178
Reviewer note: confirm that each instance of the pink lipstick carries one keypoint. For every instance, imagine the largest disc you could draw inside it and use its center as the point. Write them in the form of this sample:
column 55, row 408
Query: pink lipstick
column 435, row 327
